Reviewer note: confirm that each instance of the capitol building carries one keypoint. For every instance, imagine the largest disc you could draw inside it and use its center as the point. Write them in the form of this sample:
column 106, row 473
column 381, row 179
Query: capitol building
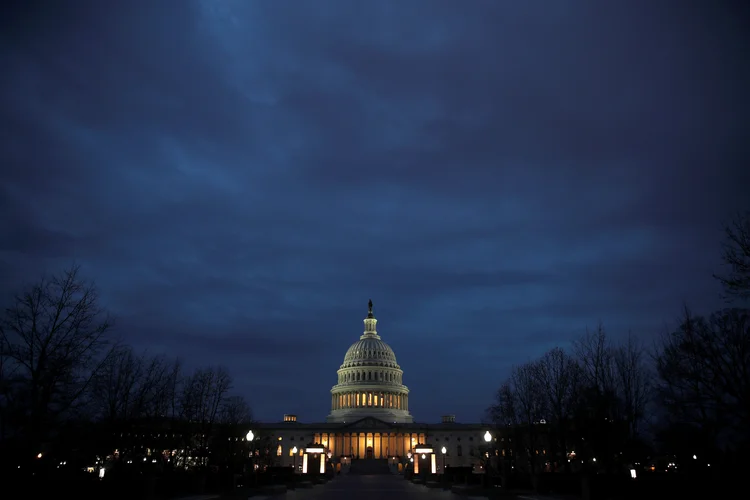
column 370, row 416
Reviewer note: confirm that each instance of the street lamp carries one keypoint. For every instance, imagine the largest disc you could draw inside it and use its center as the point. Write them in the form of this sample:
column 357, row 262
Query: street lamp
column 250, row 437
column 487, row 439
column 294, row 459
column 444, row 451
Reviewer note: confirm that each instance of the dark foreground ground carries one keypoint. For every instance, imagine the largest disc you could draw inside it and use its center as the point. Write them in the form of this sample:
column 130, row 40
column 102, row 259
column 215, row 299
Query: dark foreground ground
column 361, row 487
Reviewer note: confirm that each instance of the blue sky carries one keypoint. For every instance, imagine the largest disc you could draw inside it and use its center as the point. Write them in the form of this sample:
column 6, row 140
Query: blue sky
column 239, row 177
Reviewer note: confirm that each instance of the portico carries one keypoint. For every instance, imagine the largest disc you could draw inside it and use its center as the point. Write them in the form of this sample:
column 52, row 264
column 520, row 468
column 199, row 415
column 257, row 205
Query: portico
column 364, row 440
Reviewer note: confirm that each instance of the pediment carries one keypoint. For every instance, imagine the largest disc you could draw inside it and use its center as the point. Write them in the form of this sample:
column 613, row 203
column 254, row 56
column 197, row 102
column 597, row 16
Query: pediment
column 367, row 423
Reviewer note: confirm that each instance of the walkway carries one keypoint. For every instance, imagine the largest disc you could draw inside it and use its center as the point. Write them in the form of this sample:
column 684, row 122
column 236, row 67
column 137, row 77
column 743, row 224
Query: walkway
column 392, row 487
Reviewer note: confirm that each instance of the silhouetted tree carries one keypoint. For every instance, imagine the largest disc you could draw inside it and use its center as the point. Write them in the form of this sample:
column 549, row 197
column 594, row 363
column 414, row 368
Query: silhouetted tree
column 55, row 337
column 235, row 410
column 633, row 380
column 202, row 396
column 114, row 386
column 704, row 374
column 559, row 378
column 736, row 254
column 129, row 386
column 595, row 356
column 520, row 404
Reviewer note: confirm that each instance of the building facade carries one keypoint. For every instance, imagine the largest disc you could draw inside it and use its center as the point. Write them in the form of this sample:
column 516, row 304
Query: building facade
column 370, row 416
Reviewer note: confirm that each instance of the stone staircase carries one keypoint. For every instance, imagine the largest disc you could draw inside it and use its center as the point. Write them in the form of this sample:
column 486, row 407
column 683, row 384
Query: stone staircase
column 370, row 467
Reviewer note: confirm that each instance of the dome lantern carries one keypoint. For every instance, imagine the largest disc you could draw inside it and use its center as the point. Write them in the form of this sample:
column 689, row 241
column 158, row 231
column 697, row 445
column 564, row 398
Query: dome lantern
column 370, row 323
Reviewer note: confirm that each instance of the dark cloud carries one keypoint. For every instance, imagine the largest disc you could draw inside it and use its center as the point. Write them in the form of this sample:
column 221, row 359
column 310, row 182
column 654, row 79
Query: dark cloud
column 240, row 177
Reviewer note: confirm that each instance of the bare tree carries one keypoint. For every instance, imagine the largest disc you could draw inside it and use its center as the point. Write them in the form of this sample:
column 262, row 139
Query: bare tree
column 235, row 410
column 599, row 425
column 704, row 374
column 559, row 378
column 115, row 384
column 202, row 396
column 594, row 355
column 633, row 379
column 4, row 385
column 151, row 399
column 521, row 404
column 736, row 254
column 55, row 333
column 503, row 412
column 172, row 390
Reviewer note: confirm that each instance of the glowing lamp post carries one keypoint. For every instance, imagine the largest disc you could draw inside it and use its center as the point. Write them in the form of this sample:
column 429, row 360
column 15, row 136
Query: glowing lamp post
column 444, row 451
column 250, row 438
column 487, row 440
column 294, row 459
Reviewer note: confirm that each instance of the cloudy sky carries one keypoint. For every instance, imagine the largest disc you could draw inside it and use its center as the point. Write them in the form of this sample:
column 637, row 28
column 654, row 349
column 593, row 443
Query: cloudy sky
column 239, row 177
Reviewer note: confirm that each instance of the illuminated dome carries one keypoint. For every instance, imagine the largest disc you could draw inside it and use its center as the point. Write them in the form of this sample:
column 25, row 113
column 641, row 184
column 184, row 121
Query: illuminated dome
column 370, row 381
column 368, row 351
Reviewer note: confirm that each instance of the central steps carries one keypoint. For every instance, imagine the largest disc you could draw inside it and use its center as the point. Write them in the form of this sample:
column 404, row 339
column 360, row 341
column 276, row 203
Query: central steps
column 370, row 467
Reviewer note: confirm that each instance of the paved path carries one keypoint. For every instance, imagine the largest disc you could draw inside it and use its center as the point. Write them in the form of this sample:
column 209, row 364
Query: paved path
column 385, row 486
